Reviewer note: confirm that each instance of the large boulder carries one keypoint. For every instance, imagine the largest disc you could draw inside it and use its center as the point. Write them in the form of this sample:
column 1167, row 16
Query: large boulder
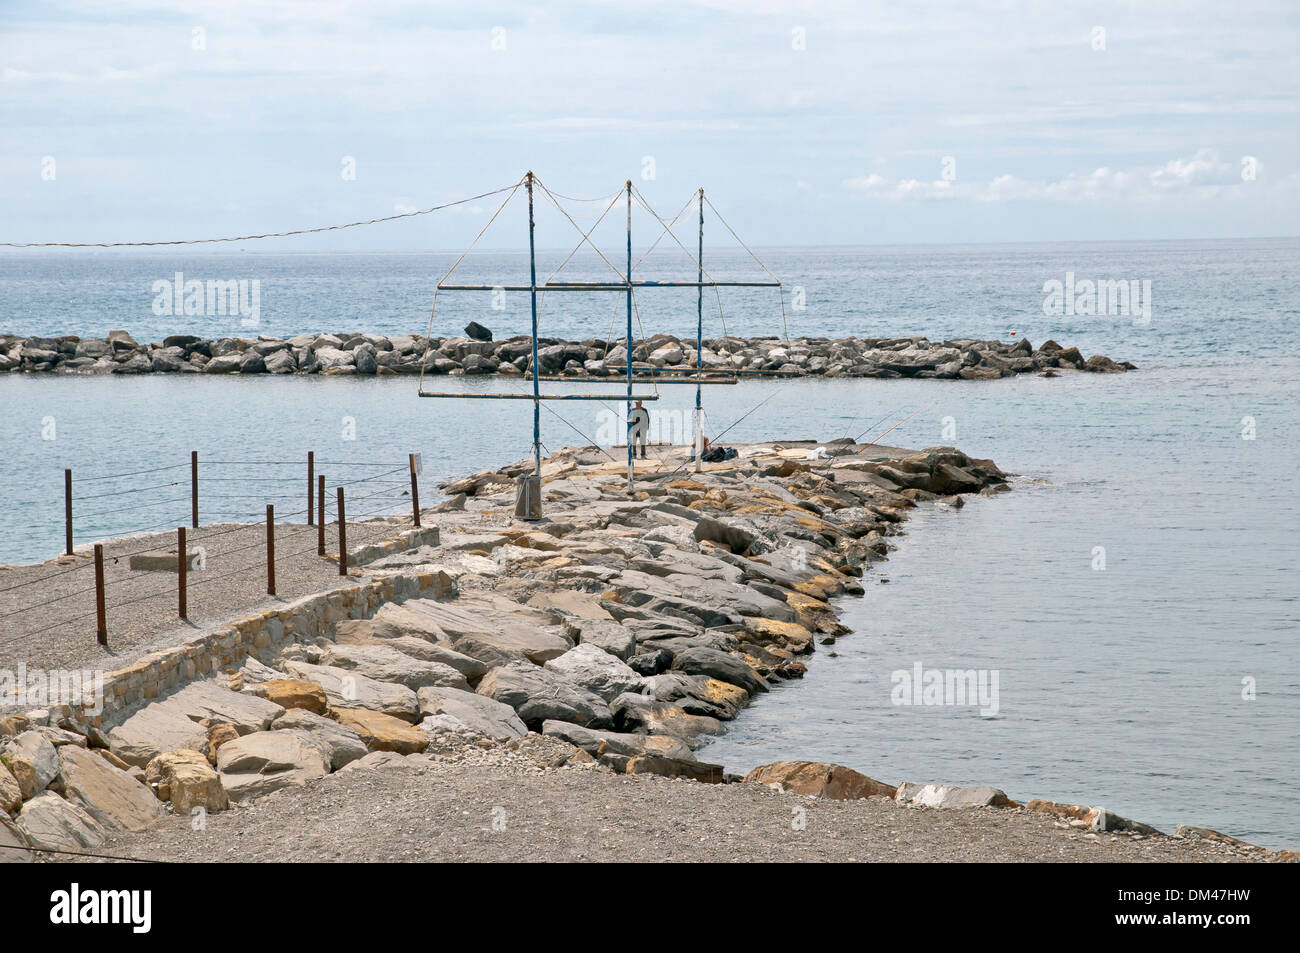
column 153, row 730
column 627, row 744
column 819, row 779
column 188, row 781
column 386, row 664
column 210, row 702
column 108, row 794
column 32, row 760
column 266, row 761
column 639, row 714
column 382, row 732
column 447, row 707
column 11, row 794
column 347, row 689
column 50, row 822
column 950, row 795
column 538, row 695
column 14, row 848
column 702, row 660
column 341, row 743
column 294, row 693
column 597, row 670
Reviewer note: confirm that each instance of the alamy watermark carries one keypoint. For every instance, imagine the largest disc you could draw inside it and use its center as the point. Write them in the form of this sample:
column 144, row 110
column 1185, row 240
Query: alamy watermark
column 949, row 687
column 211, row 298
column 1105, row 296
column 40, row 688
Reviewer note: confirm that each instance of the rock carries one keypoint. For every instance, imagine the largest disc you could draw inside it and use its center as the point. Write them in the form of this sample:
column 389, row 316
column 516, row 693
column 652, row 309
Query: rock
column 14, row 848
column 340, row 743
column 537, row 695
column 702, row 660
column 380, row 732
column 596, row 670
column 225, row 364
column 478, row 332
column 218, row 735
column 477, row 713
column 209, row 702
column 48, row 822
column 32, row 761
column 295, row 693
column 111, row 796
column 628, row 744
column 385, row 664
column 651, row 663
column 819, row 779
column 121, row 341
column 189, row 780
column 266, row 761
column 636, row 713
column 616, row 639
column 11, row 794
column 471, row 668
column 346, row 689
column 675, row 768
column 950, row 796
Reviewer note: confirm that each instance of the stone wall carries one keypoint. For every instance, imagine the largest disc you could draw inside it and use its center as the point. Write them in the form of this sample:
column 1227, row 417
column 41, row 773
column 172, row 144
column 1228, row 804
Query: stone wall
column 260, row 635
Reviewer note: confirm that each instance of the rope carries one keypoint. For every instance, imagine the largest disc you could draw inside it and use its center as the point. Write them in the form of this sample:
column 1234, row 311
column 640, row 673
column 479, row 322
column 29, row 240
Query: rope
column 114, row 476
column 81, row 853
column 780, row 291
column 434, row 307
column 245, row 238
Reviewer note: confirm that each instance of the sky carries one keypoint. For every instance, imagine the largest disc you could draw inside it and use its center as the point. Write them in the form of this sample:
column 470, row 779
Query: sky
column 806, row 123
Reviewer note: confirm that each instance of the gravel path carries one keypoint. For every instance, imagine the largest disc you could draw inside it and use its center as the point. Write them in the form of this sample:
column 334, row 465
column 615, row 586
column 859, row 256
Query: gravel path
column 47, row 614
column 499, row 804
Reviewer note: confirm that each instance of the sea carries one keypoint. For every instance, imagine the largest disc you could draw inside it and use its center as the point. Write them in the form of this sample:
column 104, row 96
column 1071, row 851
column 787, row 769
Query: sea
column 1130, row 606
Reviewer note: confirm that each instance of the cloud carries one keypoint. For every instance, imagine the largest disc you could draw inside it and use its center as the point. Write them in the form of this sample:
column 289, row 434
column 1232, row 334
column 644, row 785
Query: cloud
column 1204, row 174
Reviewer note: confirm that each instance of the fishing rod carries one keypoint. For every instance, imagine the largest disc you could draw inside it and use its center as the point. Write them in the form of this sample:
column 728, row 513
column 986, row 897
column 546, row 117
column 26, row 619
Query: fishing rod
column 888, row 414
column 900, row 423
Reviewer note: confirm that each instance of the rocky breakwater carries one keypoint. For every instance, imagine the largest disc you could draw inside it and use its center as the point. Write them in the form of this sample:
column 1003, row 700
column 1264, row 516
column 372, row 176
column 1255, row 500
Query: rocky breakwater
column 618, row 633
column 478, row 353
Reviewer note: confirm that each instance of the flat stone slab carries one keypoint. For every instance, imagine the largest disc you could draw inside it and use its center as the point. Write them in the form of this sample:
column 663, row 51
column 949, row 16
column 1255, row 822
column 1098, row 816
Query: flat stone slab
column 159, row 560
column 477, row 713
column 348, row 689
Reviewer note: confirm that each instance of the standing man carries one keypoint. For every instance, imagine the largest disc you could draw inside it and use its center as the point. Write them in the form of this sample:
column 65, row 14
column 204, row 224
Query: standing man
column 638, row 426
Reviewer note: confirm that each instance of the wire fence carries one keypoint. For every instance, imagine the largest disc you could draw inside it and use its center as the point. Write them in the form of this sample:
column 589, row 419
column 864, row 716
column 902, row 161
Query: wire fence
column 320, row 509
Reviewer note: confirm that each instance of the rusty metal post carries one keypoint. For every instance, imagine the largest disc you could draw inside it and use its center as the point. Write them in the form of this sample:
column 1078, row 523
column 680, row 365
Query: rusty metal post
column 101, row 623
column 270, row 549
column 67, row 509
column 182, row 571
column 320, row 515
column 415, row 496
column 343, row 537
column 194, row 488
column 311, row 484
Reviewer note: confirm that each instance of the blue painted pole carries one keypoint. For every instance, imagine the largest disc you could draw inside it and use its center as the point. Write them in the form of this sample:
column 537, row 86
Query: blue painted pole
column 630, row 450
column 532, row 283
column 699, row 349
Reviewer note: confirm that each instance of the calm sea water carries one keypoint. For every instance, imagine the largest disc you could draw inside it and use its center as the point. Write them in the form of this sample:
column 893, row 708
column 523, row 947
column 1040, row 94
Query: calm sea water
column 1121, row 686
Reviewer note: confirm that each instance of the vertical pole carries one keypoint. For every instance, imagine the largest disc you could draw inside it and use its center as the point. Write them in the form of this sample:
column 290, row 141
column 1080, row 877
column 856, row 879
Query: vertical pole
column 532, row 284
column 343, row 537
column 182, row 571
column 194, row 489
column 320, row 515
column 101, row 623
column 270, row 549
column 67, row 510
column 699, row 350
column 311, row 484
column 415, row 492
column 630, row 449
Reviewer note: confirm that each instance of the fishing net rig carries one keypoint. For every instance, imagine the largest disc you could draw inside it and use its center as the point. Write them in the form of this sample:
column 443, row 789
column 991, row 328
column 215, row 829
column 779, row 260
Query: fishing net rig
column 623, row 284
